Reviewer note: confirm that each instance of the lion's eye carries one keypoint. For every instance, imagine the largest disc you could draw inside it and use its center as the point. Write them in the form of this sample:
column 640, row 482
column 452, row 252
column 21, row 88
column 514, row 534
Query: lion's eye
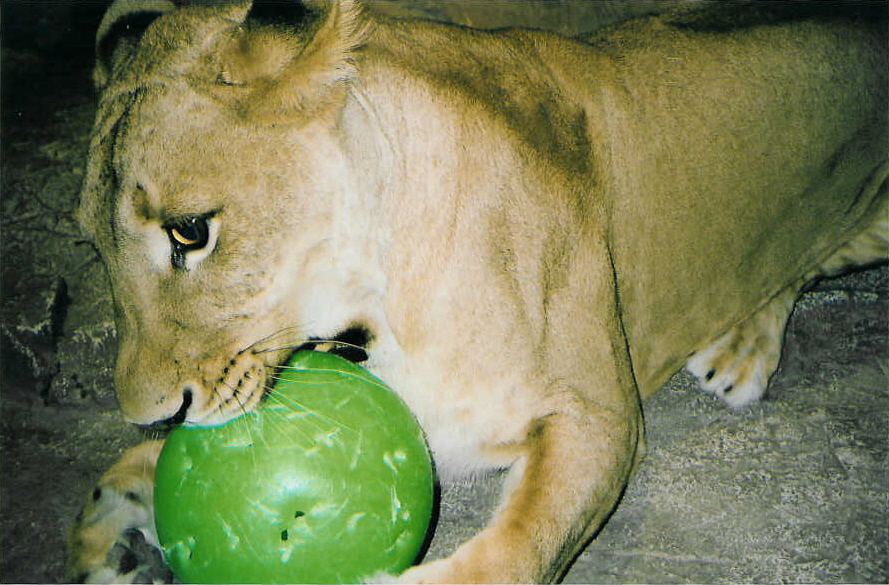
column 191, row 233
column 187, row 234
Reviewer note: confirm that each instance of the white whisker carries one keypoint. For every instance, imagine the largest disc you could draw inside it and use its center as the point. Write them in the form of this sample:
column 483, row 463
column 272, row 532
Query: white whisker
column 293, row 337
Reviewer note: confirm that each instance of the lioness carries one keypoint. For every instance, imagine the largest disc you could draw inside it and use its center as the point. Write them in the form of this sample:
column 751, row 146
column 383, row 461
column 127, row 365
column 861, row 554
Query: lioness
column 523, row 234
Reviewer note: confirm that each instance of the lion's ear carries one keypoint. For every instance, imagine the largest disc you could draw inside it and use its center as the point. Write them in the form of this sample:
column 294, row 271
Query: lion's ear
column 120, row 30
column 290, row 61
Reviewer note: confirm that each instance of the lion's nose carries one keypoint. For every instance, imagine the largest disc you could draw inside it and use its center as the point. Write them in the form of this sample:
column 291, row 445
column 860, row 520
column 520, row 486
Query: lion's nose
column 181, row 414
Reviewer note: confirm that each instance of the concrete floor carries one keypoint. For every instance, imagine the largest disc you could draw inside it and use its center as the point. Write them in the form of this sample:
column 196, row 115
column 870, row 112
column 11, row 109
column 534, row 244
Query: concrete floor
column 794, row 489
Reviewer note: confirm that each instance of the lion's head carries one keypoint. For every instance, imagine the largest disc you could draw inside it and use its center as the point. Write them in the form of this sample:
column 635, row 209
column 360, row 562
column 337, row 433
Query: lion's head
column 213, row 181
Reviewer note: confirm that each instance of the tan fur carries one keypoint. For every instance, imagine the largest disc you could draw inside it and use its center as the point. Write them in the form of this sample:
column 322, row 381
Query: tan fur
column 536, row 231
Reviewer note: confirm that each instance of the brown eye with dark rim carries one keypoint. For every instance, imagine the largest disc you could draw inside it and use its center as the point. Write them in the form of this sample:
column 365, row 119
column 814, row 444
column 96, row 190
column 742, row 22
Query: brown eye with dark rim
column 187, row 234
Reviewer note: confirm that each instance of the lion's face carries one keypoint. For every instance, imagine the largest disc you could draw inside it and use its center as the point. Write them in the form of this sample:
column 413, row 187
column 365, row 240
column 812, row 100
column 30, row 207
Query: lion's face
column 217, row 228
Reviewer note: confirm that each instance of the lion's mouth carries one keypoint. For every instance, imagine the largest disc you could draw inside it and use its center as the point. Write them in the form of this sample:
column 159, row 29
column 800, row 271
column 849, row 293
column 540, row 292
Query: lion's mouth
column 350, row 344
column 246, row 380
column 241, row 388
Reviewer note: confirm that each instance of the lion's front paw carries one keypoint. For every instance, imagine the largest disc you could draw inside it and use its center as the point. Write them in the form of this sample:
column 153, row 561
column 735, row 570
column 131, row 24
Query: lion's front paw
column 130, row 559
column 114, row 540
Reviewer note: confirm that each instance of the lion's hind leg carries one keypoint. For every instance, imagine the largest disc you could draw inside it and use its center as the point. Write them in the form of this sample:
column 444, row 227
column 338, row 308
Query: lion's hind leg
column 869, row 247
column 737, row 366
column 114, row 539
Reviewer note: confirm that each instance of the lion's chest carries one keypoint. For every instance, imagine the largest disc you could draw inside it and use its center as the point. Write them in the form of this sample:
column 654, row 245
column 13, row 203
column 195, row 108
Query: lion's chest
column 467, row 416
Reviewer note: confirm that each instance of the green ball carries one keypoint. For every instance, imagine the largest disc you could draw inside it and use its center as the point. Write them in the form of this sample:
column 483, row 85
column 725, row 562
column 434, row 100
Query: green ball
column 328, row 480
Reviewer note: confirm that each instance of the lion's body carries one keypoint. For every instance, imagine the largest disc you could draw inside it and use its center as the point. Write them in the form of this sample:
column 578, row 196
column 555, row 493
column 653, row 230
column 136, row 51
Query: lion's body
column 778, row 127
column 533, row 232
column 608, row 133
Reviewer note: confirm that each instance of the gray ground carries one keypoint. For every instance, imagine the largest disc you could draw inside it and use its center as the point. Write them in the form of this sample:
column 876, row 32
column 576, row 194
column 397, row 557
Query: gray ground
column 794, row 489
